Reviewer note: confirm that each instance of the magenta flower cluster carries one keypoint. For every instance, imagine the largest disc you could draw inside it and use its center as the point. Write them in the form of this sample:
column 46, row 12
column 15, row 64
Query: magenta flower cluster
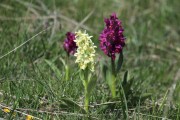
column 112, row 39
column 69, row 44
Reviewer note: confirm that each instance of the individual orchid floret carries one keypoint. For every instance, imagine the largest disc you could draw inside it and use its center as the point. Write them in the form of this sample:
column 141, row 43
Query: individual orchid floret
column 69, row 44
column 112, row 39
column 86, row 51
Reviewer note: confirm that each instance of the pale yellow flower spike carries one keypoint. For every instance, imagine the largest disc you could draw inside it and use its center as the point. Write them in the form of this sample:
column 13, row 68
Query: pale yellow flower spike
column 29, row 117
column 6, row 110
column 85, row 52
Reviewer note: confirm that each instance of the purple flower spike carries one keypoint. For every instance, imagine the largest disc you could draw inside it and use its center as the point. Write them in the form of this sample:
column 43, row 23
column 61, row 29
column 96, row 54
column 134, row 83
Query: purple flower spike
column 69, row 44
column 112, row 39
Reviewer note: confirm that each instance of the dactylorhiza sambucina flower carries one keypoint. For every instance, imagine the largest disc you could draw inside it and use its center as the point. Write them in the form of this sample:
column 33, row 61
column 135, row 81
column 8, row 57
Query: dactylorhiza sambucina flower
column 86, row 50
column 69, row 44
column 112, row 39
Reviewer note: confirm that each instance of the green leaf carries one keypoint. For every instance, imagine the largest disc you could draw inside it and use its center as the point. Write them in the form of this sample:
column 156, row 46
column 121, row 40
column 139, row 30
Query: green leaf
column 127, row 87
column 81, row 75
column 104, row 69
column 91, row 85
column 125, row 78
column 54, row 68
column 111, row 79
column 63, row 62
column 73, row 105
column 127, row 84
column 119, row 62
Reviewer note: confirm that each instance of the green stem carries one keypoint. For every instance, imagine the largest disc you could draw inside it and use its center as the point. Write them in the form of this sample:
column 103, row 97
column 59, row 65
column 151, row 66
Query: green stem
column 113, row 87
column 67, row 68
column 67, row 72
column 86, row 100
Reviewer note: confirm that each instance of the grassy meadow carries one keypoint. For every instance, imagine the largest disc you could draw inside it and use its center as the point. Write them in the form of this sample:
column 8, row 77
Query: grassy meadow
column 32, row 60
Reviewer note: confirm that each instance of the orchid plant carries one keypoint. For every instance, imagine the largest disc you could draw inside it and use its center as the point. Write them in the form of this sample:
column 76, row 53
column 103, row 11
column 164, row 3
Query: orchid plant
column 85, row 58
column 70, row 48
column 112, row 42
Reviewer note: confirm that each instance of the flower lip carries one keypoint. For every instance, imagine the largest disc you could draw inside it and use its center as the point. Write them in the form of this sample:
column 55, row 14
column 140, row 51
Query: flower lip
column 111, row 38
